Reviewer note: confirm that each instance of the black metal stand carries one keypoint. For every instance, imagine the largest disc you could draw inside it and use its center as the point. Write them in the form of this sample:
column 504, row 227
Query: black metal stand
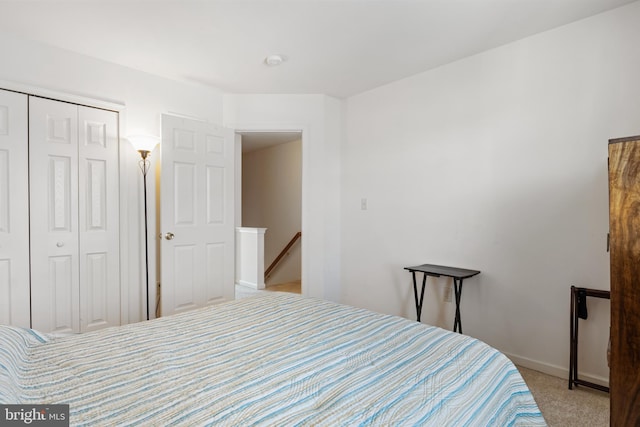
column 457, row 274
column 457, row 288
column 415, row 293
column 573, row 351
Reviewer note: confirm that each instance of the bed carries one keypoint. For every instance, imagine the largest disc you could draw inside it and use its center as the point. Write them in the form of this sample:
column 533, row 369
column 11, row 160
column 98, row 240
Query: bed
column 275, row 360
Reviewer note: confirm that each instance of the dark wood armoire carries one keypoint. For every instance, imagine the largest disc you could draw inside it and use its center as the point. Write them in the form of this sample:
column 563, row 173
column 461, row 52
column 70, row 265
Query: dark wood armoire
column 624, row 229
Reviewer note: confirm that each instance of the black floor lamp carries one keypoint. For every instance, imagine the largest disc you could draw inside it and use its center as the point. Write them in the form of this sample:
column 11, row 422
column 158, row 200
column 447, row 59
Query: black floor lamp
column 145, row 145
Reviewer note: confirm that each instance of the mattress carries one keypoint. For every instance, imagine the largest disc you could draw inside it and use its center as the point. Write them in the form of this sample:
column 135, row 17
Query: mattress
column 274, row 360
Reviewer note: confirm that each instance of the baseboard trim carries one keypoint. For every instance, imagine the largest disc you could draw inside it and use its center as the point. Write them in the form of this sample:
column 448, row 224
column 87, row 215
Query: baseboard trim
column 554, row 370
column 247, row 284
column 242, row 291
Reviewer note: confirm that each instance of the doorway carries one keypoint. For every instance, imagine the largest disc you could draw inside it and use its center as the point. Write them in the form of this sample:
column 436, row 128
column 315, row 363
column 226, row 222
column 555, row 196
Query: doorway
column 271, row 198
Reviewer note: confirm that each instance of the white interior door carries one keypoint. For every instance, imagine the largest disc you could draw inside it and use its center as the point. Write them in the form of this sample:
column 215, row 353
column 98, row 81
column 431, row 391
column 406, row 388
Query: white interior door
column 14, row 211
column 53, row 169
column 98, row 217
column 197, row 221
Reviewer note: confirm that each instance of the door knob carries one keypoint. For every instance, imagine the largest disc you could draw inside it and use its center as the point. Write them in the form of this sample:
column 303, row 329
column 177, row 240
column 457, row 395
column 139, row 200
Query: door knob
column 169, row 236
column 60, row 244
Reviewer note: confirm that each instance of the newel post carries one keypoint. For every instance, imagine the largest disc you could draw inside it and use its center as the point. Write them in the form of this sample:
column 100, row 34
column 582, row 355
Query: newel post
column 250, row 257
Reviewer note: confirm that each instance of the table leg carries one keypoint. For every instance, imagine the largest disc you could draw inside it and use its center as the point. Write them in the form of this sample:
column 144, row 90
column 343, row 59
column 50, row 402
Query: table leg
column 457, row 287
column 573, row 367
column 415, row 293
column 572, row 337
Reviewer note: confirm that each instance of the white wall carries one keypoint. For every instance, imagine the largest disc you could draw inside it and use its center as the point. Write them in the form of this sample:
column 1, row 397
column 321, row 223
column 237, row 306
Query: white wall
column 272, row 199
column 497, row 162
column 320, row 119
column 142, row 97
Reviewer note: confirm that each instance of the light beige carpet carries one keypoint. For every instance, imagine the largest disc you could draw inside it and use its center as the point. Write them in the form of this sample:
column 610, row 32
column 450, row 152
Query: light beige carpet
column 561, row 407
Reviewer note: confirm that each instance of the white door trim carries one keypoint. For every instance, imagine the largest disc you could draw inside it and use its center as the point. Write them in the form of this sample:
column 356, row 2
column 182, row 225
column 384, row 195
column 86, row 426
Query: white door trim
column 103, row 103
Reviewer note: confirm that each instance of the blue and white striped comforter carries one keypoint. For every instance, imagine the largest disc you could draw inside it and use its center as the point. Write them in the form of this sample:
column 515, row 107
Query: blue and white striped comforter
column 278, row 359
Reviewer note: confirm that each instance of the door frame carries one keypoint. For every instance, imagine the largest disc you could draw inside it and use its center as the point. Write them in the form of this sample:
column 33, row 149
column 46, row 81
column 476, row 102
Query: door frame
column 303, row 129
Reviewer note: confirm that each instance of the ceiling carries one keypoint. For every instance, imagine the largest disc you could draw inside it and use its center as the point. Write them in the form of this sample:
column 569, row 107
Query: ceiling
column 335, row 47
column 253, row 141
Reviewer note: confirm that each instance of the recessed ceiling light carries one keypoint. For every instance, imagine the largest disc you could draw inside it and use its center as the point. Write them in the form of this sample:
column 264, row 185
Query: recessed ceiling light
column 274, row 60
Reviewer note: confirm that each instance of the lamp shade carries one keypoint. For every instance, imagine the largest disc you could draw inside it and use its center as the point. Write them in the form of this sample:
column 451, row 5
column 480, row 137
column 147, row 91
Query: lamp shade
column 143, row 142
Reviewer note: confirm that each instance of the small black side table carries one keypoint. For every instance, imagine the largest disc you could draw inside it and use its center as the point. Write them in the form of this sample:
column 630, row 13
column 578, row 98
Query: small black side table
column 458, row 274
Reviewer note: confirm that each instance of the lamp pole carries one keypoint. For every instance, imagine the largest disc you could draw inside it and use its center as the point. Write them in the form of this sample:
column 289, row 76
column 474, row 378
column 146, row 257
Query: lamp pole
column 144, row 167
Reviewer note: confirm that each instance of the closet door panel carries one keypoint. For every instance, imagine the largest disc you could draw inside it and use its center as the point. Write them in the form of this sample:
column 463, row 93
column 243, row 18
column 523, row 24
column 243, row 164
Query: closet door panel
column 14, row 211
column 98, row 219
column 62, row 305
column 53, row 160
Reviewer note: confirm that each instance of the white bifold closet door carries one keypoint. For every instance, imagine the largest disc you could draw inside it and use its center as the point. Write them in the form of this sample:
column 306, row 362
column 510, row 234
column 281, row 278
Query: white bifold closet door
column 73, row 167
column 14, row 211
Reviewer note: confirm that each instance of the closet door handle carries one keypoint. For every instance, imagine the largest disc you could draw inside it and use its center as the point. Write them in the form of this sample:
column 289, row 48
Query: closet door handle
column 169, row 236
column 60, row 244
